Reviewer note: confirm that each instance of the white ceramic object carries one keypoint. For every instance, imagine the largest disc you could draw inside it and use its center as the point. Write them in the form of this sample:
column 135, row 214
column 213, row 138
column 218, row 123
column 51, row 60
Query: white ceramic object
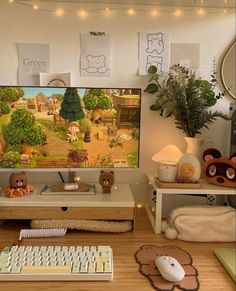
column 194, row 146
column 166, row 172
column 170, row 268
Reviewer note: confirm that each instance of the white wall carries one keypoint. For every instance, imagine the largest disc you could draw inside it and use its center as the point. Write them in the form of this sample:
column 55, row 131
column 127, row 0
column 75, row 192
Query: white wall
column 214, row 32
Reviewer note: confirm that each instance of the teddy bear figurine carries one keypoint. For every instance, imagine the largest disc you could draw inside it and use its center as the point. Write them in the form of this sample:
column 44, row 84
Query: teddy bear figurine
column 106, row 180
column 18, row 186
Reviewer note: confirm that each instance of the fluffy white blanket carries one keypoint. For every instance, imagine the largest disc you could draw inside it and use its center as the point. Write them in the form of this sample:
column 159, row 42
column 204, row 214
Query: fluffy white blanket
column 202, row 224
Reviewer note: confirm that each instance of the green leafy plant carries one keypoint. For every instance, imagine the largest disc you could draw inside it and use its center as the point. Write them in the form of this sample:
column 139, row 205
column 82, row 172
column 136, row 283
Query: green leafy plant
column 186, row 97
column 10, row 160
column 85, row 125
column 115, row 142
column 4, row 108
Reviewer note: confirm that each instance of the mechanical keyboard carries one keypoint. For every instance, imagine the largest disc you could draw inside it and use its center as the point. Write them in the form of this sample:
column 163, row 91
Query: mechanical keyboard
column 56, row 263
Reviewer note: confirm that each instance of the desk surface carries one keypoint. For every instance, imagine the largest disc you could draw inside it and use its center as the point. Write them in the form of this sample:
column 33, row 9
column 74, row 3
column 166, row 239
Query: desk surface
column 126, row 275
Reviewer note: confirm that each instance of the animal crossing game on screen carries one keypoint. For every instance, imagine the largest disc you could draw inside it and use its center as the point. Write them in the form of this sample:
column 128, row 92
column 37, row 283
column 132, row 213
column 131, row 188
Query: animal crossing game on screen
column 48, row 127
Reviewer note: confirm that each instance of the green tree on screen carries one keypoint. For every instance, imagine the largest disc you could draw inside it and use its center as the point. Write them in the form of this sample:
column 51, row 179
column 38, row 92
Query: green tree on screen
column 71, row 106
column 96, row 99
column 23, row 129
column 11, row 94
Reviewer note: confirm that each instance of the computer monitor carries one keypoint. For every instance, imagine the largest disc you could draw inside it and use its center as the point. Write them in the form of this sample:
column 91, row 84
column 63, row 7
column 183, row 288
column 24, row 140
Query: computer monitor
column 69, row 128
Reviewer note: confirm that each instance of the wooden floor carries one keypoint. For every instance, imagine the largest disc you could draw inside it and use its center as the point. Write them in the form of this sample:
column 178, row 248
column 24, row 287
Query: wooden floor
column 126, row 275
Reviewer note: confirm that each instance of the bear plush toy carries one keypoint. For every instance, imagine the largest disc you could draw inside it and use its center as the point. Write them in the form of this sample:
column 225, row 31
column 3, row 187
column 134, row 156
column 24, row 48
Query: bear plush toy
column 106, row 180
column 18, row 186
column 18, row 180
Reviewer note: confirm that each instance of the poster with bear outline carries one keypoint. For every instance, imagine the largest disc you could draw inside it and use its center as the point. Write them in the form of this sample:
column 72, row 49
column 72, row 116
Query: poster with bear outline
column 154, row 50
column 95, row 55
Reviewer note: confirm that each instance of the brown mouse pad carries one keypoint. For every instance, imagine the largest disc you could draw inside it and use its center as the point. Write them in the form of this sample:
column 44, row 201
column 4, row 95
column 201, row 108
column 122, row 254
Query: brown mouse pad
column 145, row 257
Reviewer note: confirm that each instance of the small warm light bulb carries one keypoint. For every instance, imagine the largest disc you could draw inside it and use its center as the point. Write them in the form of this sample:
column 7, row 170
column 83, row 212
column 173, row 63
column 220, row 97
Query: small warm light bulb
column 154, row 13
column 139, row 205
column 77, row 179
column 131, row 12
column 201, row 12
column 82, row 13
column 35, row 7
column 225, row 10
column 178, row 13
column 11, row 1
column 108, row 11
column 59, row 12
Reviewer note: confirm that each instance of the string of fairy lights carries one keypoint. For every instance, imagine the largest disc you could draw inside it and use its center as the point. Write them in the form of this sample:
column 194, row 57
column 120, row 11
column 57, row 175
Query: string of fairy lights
column 152, row 12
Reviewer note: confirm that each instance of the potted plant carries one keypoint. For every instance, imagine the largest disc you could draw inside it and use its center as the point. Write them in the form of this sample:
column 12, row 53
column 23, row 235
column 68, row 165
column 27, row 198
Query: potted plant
column 85, row 127
column 186, row 97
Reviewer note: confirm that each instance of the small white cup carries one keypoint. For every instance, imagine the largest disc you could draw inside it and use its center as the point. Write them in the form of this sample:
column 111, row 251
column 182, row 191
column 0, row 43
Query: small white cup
column 166, row 171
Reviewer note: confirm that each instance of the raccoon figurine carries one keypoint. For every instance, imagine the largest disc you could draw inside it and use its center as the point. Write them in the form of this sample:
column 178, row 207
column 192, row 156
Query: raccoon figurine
column 219, row 170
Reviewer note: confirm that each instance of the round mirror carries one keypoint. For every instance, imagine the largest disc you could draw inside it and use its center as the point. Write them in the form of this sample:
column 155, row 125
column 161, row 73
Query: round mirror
column 228, row 70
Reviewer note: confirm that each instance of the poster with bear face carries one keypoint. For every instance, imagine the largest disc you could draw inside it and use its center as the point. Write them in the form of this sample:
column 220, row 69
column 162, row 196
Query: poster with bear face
column 154, row 50
column 95, row 56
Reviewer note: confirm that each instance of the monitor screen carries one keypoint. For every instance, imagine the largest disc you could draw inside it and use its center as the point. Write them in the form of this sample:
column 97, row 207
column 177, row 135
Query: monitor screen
column 64, row 128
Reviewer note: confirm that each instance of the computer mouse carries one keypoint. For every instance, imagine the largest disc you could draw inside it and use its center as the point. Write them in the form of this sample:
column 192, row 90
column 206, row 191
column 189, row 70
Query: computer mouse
column 169, row 268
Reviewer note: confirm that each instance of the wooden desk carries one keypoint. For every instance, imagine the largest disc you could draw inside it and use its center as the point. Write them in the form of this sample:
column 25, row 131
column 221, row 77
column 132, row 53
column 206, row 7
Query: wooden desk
column 126, row 275
column 156, row 215
column 119, row 205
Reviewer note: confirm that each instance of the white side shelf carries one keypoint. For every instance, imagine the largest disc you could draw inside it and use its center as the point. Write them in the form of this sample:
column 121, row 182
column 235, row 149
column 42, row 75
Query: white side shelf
column 156, row 215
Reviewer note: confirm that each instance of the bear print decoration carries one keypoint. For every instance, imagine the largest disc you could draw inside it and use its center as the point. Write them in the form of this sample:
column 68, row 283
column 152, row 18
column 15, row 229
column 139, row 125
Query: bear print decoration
column 96, row 64
column 106, row 180
column 219, row 170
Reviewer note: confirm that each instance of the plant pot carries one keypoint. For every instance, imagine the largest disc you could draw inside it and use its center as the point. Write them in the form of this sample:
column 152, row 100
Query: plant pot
column 194, row 146
column 87, row 137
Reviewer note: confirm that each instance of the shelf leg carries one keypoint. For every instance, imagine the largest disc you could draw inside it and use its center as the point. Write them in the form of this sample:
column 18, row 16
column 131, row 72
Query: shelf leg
column 158, row 212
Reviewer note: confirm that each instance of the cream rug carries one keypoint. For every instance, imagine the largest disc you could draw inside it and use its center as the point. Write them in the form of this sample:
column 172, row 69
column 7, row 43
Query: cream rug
column 88, row 225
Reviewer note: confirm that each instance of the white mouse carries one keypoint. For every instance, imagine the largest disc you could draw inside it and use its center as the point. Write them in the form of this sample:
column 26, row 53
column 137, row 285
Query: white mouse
column 170, row 268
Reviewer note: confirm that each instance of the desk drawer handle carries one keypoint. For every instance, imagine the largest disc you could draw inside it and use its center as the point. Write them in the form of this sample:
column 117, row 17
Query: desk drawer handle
column 64, row 208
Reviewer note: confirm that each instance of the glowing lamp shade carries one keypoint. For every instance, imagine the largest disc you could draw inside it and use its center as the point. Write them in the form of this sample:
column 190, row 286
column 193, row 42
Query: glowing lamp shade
column 168, row 153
